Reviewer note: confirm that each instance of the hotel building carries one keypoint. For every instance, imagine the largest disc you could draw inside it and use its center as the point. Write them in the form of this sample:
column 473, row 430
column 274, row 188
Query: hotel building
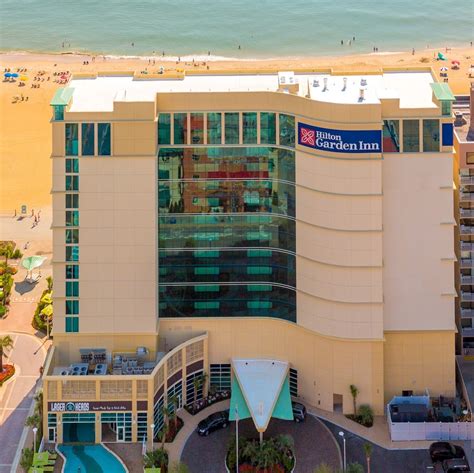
column 203, row 218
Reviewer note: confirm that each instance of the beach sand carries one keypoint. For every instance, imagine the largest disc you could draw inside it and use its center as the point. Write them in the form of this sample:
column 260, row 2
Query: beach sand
column 25, row 131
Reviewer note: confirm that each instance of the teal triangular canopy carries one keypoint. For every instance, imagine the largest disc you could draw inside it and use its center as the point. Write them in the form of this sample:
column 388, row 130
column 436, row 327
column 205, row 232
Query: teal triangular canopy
column 237, row 403
column 283, row 408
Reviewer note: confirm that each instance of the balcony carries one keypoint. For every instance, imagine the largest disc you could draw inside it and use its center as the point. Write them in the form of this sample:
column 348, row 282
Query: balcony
column 466, row 263
column 468, row 280
column 466, row 230
column 466, row 196
column 467, row 246
column 466, row 213
column 467, row 313
column 467, row 180
column 467, row 296
column 467, row 331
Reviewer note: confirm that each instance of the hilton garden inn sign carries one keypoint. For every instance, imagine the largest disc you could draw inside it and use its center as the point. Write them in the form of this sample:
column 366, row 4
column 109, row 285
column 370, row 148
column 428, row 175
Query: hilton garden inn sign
column 340, row 141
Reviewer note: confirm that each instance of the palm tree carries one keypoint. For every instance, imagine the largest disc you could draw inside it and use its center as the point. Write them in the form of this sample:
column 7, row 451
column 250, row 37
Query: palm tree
column 7, row 250
column 49, row 280
column 6, row 343
column 33, row 421
column 166, row 413
column 39, row 403
column 199, row 382
column 174, row 402
column 368, row 454
column 354, row 394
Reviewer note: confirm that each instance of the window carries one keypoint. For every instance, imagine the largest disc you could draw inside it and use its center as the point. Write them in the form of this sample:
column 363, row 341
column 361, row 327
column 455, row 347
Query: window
column 445, row 107
column 259, row 270
column 391, row 136
column 103, row 139
column 72, row 201
column 293, row 382
column 411, row 136
column 72, row 235
column 72, row 289
column 164, row 129
column 287, row 130
column 249, row 127
column 58, row 112
column 88, row 131
column 220, row 377
column 231, row 128
column 207, row 288
column 72, row 139
column 206, row 305
column 259, row 305
column 180, row 128
column 72, row 324
column 430, row 135
column 72, row 253
column 72, row 183
column 72, row 165
column 72, row 218
column 469, row 158
column 206, row 270
column 72, row 271
column 72, row 307
column 214, row 128
column 197, row 128
column 259, row 288
column 268, row 128
column 194, row 389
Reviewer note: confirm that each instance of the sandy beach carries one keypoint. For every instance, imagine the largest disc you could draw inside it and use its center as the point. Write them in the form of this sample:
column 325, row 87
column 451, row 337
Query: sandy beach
column 25, row 132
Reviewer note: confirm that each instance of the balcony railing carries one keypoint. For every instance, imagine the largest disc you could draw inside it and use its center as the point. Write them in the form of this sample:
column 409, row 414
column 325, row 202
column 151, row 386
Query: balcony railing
column 467, row 246
column 467, row 279
column 467, row 313
column 467, row 332
column 467, row 179
column 466, row 263
column 466, row 196
column 467, row 230
column 467, row 296
column 466, row 213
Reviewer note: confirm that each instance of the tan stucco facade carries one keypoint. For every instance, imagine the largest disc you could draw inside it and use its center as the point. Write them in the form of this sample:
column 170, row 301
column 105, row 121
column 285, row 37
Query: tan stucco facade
column 374, row 254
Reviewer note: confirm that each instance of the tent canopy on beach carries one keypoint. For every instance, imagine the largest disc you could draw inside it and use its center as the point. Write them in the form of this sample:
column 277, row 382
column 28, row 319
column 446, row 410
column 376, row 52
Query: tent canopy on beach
column 33, row 262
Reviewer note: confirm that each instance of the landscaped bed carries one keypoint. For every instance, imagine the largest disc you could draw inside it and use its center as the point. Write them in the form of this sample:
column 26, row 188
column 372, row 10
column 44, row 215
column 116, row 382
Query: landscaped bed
column 7, row 373
column 201, row 404
column 172, row 431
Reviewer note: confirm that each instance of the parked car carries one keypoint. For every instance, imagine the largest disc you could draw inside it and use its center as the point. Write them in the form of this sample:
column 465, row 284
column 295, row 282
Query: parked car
column 455, row 465
column 299, row 412
column 440, row 451
column 218, row 420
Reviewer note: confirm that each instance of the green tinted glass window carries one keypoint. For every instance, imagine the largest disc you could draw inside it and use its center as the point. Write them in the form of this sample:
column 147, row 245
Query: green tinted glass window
column 287, row 130
column 72, row 201
column 72, row 218
column 58, row 112
column 259, row 288
column 206, row 305
column 259, row 305
column 72, row 253
column 231, row 128
column 445, row 107
column 214, row 128
column 72, row 139
column 87, row 139
column 249, row 127
column 197, row 128
column 72, row 289
column 72, row 235
column 207, row 288
column 206, row 270
column 104, row 139
column 180, row 128
column 430, row 135
column 259, row 270
column 72, row 165
column 391, row 136
column 268, row 128
column 259, row 253
column 72, row 324
column 72, row 307
column 72, row 183
column 411, row 136
column 164, row 129
column 72, row 271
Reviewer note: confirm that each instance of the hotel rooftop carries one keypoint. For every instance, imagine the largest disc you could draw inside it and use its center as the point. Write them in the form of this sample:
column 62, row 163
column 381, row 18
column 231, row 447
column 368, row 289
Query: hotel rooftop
column 412, row 88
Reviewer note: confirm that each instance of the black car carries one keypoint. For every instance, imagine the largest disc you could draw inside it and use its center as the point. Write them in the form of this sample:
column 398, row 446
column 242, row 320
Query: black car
column 455, row 465
column 218, row 420
column 440, row 451
column 299, row 412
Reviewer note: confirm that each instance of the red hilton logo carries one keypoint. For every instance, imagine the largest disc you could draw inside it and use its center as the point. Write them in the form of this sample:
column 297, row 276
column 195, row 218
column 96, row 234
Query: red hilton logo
column 307, row 137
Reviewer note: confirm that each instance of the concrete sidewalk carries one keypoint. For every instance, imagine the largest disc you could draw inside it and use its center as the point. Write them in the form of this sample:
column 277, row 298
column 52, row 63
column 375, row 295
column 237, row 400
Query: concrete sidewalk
column 175, row 449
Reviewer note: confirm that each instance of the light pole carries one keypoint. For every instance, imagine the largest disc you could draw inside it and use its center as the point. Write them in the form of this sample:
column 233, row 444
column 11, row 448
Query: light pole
column 341, row 434
column 152, row 427
column 236, row 439
column 35, row 429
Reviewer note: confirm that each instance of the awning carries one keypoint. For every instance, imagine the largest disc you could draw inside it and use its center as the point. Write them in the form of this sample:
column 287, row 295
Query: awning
column 62, row 96
column 442, row 91
column 260, row 389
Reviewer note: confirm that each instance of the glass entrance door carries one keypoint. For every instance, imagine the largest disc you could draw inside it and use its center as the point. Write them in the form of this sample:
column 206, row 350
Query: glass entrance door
column 120, row 433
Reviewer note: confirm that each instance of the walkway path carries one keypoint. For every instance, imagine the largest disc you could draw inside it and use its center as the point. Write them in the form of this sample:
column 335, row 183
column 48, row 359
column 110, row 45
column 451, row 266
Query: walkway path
column 16, row 395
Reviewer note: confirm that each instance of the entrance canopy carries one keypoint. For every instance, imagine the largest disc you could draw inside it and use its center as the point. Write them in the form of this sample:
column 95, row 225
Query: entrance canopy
column 260, row 389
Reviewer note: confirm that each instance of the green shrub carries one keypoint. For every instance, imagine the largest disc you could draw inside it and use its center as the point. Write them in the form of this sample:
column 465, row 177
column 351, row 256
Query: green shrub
column 156, row 458
column 354, row 468
column 39, row 321
column 26, row 460
column 3, row 310
column 17, row 254
column 366, row 415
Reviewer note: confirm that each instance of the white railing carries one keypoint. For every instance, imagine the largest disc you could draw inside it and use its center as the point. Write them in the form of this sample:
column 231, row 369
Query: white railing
column 467, row 296
column 466, row 213
column 467, row 312
column 467, row 246
column 402, row 431
column 467, row 263
column 466, row 196
column 467, row 229
column 467, row 179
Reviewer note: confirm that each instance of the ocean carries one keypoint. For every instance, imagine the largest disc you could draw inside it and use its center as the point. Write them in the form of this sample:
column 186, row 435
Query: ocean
column 233, row 29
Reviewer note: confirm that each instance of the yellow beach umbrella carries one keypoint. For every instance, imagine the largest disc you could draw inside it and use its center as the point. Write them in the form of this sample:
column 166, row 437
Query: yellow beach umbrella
column 23, row 78
column 48, row 310
column 47, row 298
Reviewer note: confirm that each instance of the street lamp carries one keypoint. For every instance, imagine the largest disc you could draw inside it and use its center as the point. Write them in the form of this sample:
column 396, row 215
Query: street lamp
column 35, row 429
column 341, row 434
column 236, row 438
column 152, row 427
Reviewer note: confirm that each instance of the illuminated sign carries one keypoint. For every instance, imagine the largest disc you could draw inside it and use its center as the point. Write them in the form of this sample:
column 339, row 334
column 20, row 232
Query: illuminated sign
column 113, row 406
column 340, row 141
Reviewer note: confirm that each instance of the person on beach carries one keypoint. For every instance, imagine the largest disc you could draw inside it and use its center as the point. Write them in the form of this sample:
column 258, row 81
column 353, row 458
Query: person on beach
column 342, row 42
column 413, row 51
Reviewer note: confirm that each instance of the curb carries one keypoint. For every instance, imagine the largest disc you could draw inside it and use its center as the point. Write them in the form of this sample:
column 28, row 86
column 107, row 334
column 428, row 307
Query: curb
column 332, row 436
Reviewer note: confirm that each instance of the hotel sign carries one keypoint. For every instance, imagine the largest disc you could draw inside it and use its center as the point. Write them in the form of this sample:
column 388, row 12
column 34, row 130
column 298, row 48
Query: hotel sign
column 113, row 406
column 340, row 141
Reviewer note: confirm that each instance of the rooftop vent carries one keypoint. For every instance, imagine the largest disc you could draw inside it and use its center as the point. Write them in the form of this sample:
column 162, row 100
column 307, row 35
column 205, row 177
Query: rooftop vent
column 315, row 83
column 325, row 81
column 362, row 94
column 344, row 80
column 363, row 82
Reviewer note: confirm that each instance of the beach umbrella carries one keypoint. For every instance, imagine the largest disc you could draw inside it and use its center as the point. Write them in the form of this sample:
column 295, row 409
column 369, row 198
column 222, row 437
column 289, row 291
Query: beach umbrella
column 444, row 69
column 7, row 74
column 14, row 74
column 23, row 78
column 47, row 298
column 33, row 262
column 455, row 61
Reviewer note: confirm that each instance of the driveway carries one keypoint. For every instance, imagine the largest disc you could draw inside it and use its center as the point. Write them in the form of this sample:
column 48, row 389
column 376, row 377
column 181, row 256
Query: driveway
column 382, row 460
column 314, row 444
column 16, row 395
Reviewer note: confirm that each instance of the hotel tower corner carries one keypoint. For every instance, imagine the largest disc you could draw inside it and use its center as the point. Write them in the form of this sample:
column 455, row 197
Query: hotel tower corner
column 306, row 217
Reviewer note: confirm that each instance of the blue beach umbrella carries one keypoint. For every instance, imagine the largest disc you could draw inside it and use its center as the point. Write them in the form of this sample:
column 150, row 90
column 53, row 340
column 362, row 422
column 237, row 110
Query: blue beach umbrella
column 7, row 74
column 14, row 74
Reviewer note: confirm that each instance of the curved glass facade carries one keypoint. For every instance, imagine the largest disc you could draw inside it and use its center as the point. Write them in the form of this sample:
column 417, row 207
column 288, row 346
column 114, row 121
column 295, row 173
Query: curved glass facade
column 226, row 232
